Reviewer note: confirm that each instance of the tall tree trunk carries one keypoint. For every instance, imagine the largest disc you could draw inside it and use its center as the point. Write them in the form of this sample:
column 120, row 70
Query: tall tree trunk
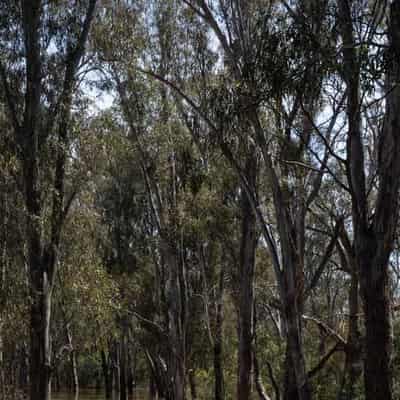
column 374, row 227
column 24, row 367
column 262, row 394
column 192, row 384
column 296, row 381
column 131, row 370
column 116, row 376
column 41, row 254
column 72, row 362
column 289, row 380
column 38, row 275
column 246, row 295
column 378, row 341
column 107, row 374
column 123, row 368
column 176, row 327
column 153, row 393
column 219, row 380
column 352, row 370
column 2, row 374
column 40, row 369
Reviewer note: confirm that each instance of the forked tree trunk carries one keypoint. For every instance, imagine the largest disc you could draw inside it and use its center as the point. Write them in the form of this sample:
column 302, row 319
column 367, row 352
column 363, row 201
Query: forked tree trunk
column 42, row 254
column 374, row 230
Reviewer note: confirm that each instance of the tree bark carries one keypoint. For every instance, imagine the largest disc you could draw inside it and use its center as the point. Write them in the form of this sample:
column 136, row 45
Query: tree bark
column 72, row 362
column 219, row 380
column 176, row 326
column 374, row 232
column 352, row 370
column 2, row 375
column 123, row 369
column 107, row 374
column 378, row 340
column 42, row 255
column 153, row 393
column 248, row 246
column 192, row 384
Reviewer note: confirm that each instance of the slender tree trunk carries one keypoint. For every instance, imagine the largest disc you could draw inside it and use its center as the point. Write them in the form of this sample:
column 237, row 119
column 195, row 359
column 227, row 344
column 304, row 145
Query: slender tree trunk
column 24, row 367
column 352, row 370
column 41, row 254
column 246, row 300
column 296, row 385
column 123, row 369
column 72, row 362
column 153, row 393
column 2, row 375
column 192, row 384
column 3, row 263
column 176, row 326
column 130, row 370
column 40, row 368
column 56, row 381
column 116, row 368
column 262, row 394
column 107, row 375
column 219, row 380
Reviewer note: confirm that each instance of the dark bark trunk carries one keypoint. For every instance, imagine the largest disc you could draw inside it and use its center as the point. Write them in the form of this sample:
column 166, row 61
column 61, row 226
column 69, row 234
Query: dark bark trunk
column 72, row 362
column 192, row 384
column 378, row 339
column 23, row 368
column 374, row 244
column 130, row 371
column 296, row 385
column 177, row 357
column 74, row 372
column 219, row 380
column 2, row 374
column 352, row 367
column 116, row 371
column 246, row 296
column 41, row 254
column 289, row 383
column 374, row 231
column 123, row 370
column 106, row 374
column 153, row 393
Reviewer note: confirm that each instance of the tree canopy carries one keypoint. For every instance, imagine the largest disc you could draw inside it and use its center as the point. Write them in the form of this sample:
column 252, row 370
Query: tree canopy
column 200, row 198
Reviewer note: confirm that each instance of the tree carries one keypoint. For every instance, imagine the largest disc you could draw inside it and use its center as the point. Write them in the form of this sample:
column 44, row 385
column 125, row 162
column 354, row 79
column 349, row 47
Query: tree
column 36, row 28
column 374, row 220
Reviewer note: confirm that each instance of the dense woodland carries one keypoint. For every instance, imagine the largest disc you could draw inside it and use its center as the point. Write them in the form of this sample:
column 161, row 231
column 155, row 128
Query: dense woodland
column 200, row 198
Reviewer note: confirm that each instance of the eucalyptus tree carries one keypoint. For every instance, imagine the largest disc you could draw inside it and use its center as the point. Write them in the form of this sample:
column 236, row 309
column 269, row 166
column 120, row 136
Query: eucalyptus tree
column 373, row 178
column 256, row 95
column 42, row 47
column 13, row 288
